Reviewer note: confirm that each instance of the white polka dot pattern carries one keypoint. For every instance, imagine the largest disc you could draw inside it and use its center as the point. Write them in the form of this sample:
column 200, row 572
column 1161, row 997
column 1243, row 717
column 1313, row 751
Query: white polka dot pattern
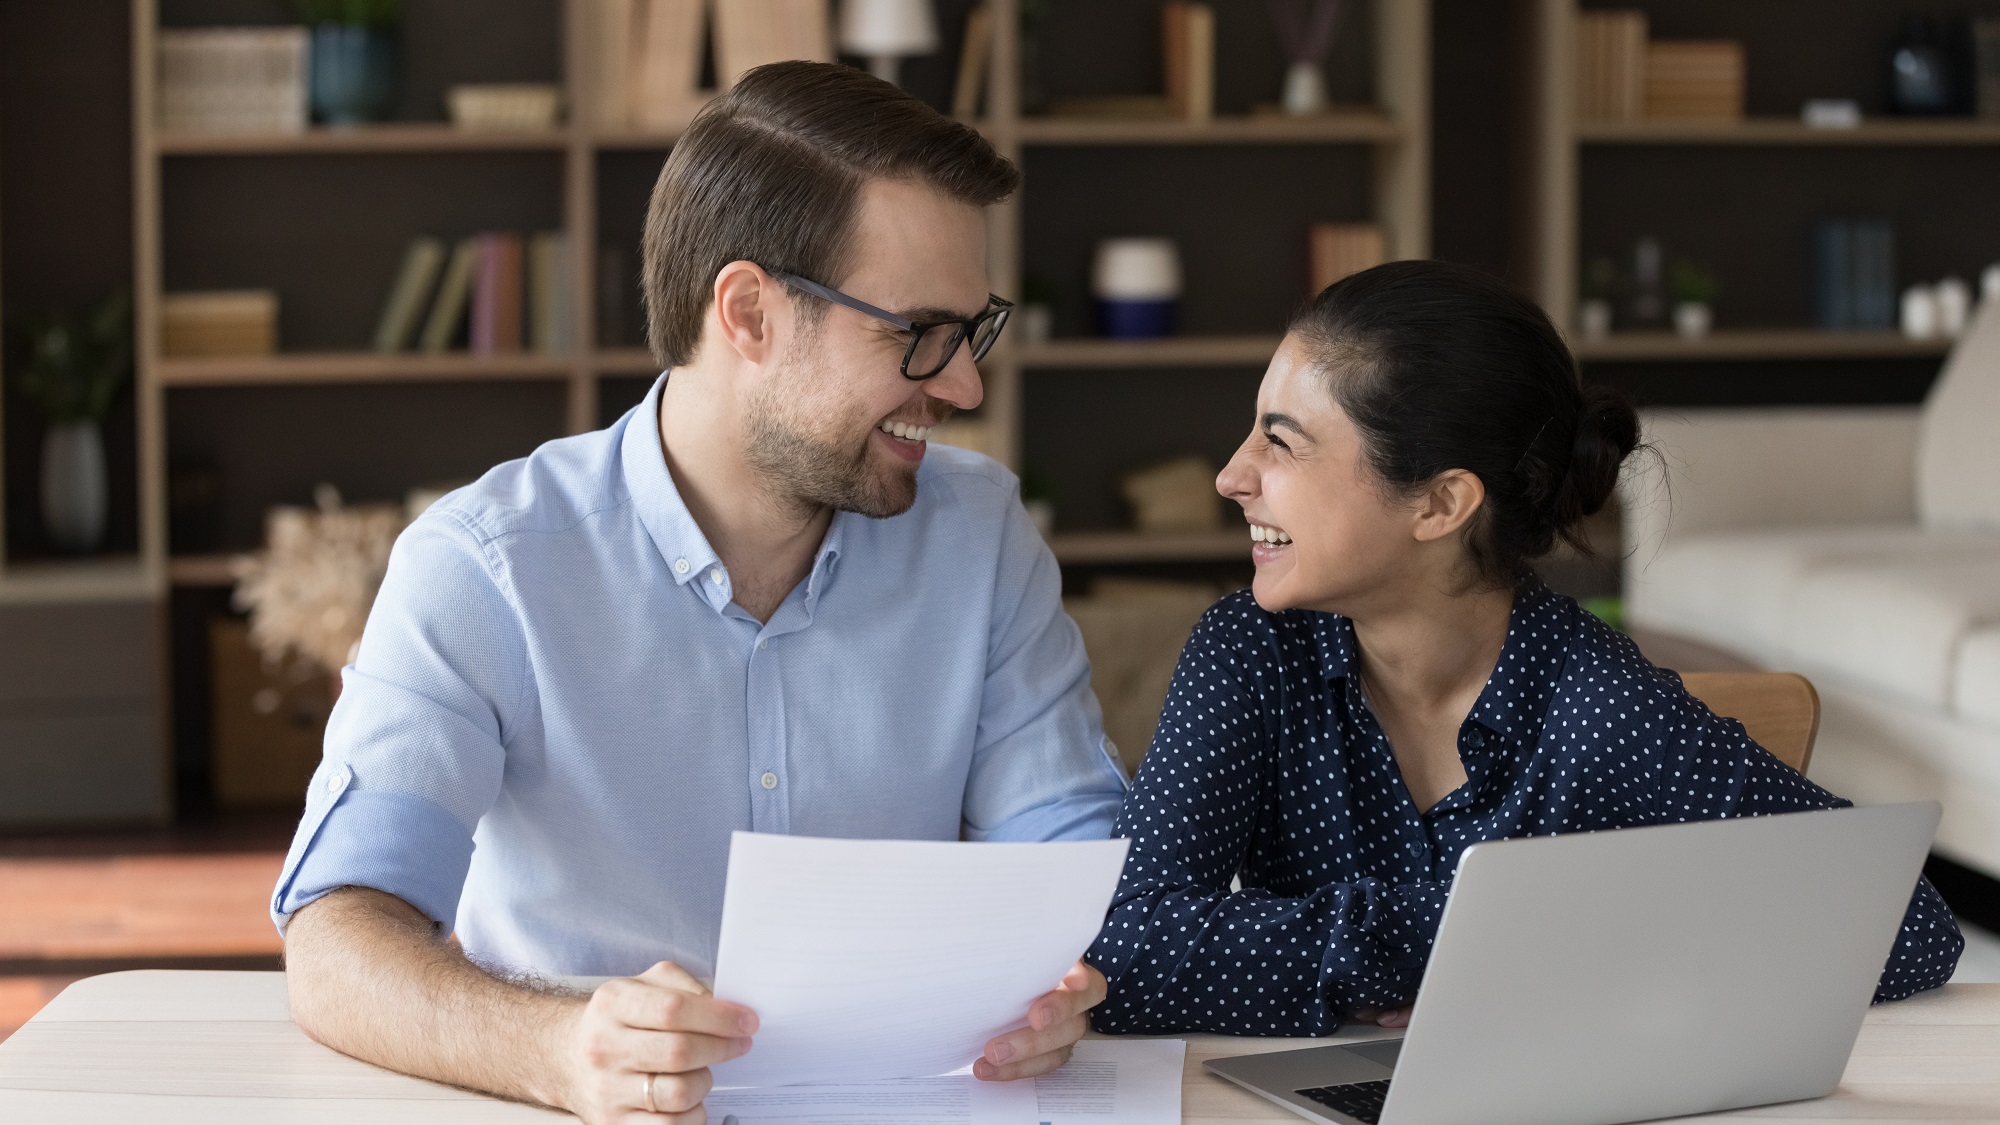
column 1268, row 766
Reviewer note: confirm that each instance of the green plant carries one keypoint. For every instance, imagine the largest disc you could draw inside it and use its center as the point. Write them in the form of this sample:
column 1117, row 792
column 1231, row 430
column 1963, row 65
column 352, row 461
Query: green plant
column 1691, row 283
column 350, row 13
column 77, row 365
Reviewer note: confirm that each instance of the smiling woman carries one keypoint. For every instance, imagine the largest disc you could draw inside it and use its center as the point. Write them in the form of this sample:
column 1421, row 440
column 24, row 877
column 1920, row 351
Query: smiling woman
column 1397, row 685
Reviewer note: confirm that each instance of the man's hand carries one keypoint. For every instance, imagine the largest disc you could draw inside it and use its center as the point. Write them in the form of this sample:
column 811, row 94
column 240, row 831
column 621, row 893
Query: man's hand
column 1056, row 1021
column 663, row 1023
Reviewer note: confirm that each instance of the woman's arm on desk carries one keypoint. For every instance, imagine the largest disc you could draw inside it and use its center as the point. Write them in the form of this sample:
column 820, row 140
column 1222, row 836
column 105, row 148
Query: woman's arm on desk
column 1180, row 949
column 370, row 977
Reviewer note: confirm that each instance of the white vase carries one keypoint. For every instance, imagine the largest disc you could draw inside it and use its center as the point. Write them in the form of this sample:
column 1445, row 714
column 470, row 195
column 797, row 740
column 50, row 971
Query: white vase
column 73, row 486
column 1919, row 317
column 1305, row 90
column 1693, row 319
column 1593, row 318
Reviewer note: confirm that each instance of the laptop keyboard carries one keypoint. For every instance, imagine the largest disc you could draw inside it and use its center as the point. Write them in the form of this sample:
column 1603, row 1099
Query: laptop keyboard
column 1359, row 1100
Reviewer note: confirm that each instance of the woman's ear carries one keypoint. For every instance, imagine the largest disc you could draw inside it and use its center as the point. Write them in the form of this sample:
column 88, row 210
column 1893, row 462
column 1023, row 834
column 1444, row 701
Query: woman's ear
column 1448, row 504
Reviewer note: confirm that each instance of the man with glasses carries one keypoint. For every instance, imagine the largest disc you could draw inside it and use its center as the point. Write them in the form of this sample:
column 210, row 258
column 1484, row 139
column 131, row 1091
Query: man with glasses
column 759, row 601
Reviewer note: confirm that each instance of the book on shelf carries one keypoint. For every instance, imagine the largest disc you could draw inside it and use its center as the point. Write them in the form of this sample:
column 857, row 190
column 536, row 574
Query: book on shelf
column 1986, row 66
column 1336, row 250
column 229, row 322
column 611, row 24
column 665, row 67
column 1610, row 65
column 232, row 79
column 973, row 59
column 1187, row 36
column 1854, row 280
column 1695, row 79
column 496, row 294
column 549, row 293
column 448, row 307
column 397, row 328
column 750, row 33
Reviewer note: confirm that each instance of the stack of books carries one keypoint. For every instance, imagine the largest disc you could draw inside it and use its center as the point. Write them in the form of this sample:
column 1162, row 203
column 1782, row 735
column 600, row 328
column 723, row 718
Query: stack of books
column 219, row 323
column 1854, row 265
column 1610, row 65
column 1187, row 31
column 649, row 52
column 1338, row 249
column 495, row 293
column 233, row 80
column 1695, row 78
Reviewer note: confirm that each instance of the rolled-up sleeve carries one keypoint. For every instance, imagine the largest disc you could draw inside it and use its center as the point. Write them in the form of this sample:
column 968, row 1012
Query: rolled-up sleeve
column 415, row 748
column 1042, row 769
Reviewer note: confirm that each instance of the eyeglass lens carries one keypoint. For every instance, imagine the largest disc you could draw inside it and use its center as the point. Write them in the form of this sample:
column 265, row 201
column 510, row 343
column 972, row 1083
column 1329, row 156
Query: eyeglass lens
column 934, row 349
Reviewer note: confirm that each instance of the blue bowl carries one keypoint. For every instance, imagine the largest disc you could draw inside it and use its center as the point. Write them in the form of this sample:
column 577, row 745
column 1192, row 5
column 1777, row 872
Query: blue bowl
column 1136, row 320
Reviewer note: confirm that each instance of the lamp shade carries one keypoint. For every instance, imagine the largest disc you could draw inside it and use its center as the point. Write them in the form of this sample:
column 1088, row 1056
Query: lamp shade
column 888, row 27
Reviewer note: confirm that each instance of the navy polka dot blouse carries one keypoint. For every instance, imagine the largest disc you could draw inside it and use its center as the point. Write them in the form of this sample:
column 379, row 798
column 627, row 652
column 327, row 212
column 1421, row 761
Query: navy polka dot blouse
column 1268, row 766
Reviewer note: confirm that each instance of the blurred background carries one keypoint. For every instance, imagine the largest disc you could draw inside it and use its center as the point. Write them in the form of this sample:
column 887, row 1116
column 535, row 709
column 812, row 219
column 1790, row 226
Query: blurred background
column 274, row 275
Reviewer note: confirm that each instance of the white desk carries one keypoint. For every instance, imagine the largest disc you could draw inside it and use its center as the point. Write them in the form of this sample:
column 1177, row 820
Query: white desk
column 166, row 1048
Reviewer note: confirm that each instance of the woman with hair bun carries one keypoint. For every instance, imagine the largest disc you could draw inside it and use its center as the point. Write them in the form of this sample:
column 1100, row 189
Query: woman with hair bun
column 1397, row 686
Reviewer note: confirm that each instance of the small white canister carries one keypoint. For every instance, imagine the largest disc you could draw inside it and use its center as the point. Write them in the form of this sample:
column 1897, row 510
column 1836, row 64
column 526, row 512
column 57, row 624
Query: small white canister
column 1137, row 286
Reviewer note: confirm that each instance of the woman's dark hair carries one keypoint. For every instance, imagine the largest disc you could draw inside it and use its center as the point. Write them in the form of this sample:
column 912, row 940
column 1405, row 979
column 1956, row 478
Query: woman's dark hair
column 1443, row 367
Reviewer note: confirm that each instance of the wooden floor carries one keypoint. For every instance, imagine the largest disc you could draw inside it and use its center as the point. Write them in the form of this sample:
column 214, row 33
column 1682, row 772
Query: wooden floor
column 190, row 897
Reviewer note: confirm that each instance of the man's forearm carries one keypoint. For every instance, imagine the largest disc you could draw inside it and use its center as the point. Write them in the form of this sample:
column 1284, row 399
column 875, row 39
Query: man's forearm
column 370, row 977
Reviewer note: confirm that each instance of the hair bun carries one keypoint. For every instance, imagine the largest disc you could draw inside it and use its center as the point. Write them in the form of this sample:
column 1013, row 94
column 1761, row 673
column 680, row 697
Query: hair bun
column 1607, row 431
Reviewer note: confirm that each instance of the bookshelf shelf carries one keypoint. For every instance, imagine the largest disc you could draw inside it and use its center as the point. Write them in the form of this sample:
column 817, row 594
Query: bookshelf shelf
column 1112, row 547
column 357, row 367
column 113, row 579
column 202, row 570
column 1788, row 131
column 1182, row 351
column 424, row 137
column 1357, row 126
column 1803, row 343
column 624, row 361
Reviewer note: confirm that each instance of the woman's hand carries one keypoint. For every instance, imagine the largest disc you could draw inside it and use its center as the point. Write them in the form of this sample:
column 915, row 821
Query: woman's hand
column 1383, row 1017
column 662, row 1023
column 1056, row 1021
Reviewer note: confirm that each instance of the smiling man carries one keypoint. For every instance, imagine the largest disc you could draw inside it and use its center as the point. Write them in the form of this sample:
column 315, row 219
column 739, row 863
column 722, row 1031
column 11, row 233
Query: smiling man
column 759, row 601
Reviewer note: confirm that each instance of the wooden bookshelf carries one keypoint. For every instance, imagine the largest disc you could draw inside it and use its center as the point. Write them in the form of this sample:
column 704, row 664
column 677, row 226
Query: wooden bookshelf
column 116, row 578
column 1742, row 344
column 203, row 570
column 1356, row 126
column 308, row 368
column 424, row 137
column 1121, row 547
column 1177, row 351
column 625, row 361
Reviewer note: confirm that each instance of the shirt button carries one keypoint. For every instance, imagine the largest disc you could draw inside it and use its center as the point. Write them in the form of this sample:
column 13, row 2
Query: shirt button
column 333, row 783
column 680, row 566
column 763, row 642
column 715, row 576
column 769, row 780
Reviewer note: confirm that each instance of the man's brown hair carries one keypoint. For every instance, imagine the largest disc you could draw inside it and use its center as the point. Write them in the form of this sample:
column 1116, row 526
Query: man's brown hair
column 771, row 173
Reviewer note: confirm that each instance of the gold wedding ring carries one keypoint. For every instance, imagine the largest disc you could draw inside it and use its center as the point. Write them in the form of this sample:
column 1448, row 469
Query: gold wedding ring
column 650, row 1107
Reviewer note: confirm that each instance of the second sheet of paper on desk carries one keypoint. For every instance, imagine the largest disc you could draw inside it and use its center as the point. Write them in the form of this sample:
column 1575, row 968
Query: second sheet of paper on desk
column 873, row 959
column 1107, row 1082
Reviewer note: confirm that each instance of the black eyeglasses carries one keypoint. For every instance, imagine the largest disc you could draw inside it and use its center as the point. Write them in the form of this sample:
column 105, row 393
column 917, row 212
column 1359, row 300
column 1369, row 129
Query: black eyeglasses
column 932, row 342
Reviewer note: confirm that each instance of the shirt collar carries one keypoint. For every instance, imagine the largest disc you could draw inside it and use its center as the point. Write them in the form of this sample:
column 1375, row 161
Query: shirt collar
column 1539, row 629
column 672, row 528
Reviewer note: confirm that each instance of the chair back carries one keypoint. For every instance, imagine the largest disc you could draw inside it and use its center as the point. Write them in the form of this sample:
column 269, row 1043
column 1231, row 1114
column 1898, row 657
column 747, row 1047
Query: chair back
column 1779, row 709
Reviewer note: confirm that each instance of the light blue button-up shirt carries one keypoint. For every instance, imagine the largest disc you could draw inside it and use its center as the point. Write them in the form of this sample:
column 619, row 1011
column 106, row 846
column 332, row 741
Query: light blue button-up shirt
column 558, row 715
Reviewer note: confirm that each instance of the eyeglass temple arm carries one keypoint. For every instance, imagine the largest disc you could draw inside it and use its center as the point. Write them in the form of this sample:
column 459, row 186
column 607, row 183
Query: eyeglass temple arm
column 839, row 298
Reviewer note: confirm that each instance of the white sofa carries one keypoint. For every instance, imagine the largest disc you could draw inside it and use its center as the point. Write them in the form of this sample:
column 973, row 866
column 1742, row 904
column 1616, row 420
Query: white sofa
column 1861, row 547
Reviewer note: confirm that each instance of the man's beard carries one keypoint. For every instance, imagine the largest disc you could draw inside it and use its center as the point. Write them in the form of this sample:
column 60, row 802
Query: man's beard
column 815, row 472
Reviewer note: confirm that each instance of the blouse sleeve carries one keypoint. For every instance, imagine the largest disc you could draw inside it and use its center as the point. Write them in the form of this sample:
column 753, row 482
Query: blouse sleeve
column 1715, row 769
column 1182, row 951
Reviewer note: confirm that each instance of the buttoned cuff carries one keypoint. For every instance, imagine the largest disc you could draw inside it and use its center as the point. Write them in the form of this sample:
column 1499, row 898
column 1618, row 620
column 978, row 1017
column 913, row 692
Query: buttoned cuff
column 391, row 842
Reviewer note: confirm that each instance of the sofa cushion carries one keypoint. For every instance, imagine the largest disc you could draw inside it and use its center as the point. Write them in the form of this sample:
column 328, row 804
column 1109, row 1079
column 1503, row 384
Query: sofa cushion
column 1896, row 624
column 1958, row 459
column 1975, row 689
column 1733, row 588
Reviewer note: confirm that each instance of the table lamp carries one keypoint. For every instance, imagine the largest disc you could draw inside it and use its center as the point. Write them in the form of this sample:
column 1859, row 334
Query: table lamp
column 884, row 31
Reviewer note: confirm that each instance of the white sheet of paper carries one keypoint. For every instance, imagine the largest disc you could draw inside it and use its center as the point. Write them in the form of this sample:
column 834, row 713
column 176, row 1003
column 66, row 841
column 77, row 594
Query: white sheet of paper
column 955, row 1099
column 1115, row 1082
column 873, row 959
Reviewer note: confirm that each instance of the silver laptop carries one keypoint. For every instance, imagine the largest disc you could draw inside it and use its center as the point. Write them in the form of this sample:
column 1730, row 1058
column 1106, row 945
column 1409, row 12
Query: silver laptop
column 1605, row 977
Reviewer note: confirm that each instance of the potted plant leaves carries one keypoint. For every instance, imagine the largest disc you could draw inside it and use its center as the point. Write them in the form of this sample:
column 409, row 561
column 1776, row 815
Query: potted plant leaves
column 75, row 370
column 353, row 58
column 1694, row 299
